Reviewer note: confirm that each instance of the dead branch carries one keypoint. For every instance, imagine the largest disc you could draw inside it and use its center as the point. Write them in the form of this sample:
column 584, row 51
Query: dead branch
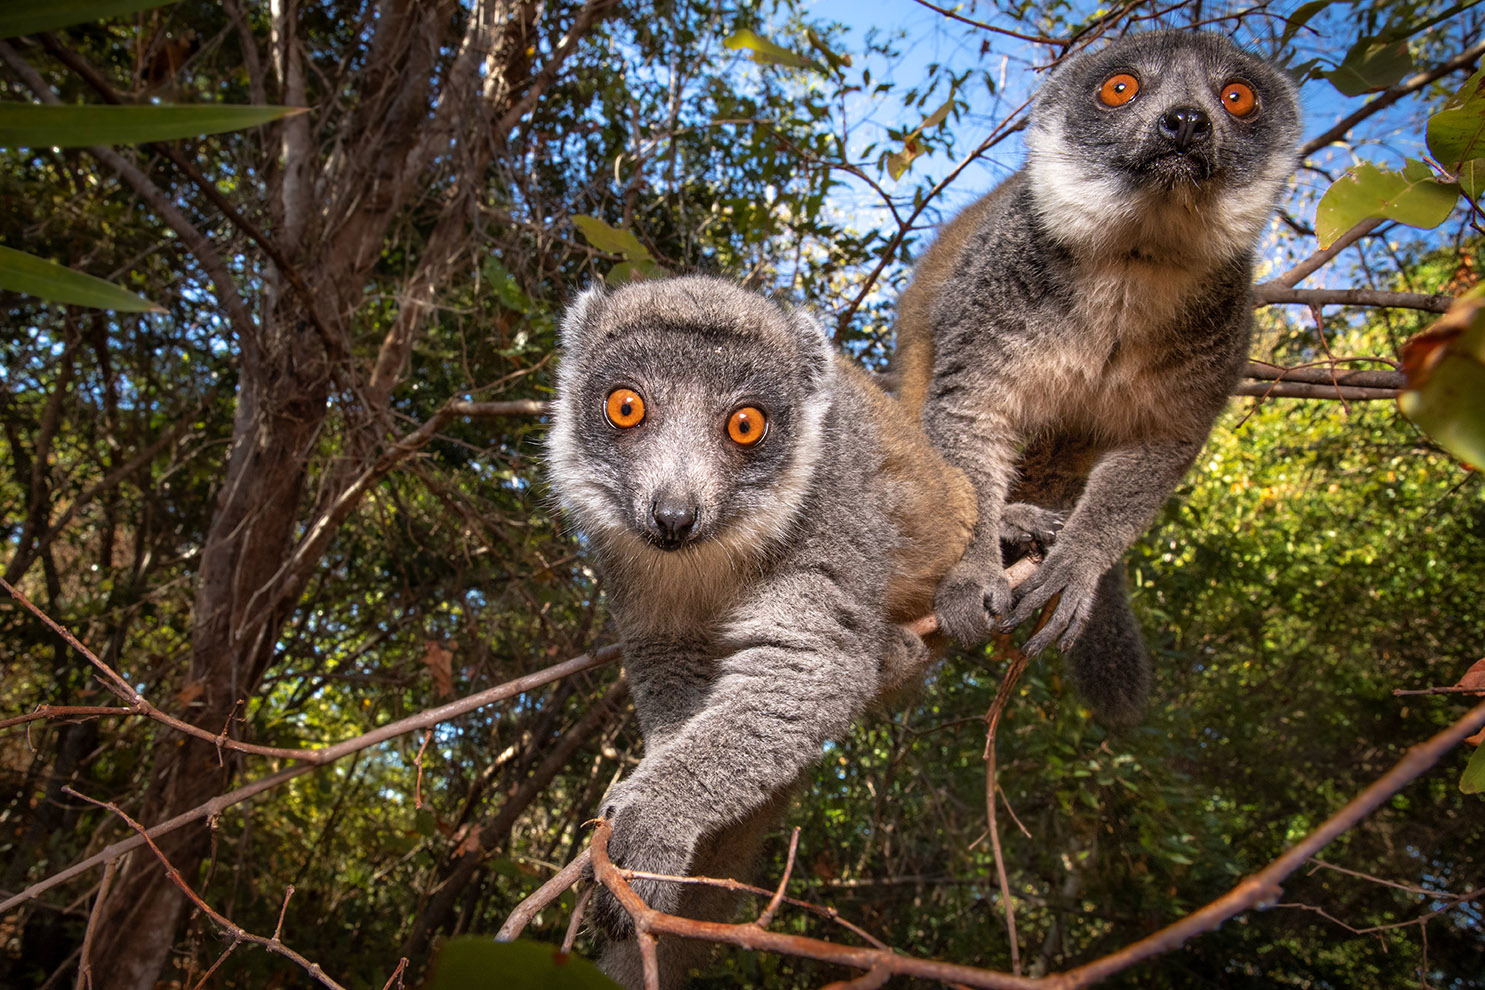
column 236, row 933
column 1263, row 886
column 1273, row 294
column 1320, row 258
column 314, row 759
column 544, row 895
column 1293, row 390
column 337, row 345
column 327, row 754
column 1260, row 888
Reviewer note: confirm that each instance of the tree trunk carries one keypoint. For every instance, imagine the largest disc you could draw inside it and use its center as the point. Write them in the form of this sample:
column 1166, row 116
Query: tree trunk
column 238, row 613
column 333, row 203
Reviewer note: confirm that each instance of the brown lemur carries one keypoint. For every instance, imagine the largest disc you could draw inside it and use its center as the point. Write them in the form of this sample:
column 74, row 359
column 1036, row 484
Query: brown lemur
column 1070, row 338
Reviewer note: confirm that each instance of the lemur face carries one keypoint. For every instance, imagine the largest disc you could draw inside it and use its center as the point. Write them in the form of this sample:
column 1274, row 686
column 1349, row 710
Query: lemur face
column 688, row 414
column 1176, row 140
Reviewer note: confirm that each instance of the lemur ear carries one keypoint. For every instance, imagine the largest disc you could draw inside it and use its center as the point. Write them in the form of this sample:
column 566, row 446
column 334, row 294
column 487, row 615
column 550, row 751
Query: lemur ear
column 580, row 315
column 817, row 350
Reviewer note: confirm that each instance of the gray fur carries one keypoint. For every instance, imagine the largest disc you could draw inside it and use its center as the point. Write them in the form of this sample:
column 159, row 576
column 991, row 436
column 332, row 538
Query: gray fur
column 766, row 633
column 1098, row 307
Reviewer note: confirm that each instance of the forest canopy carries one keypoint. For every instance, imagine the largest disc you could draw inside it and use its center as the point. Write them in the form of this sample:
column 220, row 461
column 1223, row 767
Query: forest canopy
column 294, row 493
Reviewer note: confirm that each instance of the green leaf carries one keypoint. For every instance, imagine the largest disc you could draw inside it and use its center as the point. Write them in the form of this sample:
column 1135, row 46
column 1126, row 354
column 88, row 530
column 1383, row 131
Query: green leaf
column 614, row 240
column 1371, row 64
column 1412, row 196
column 504, row 285
column 1457, row 133
column 1445, row 369
column 765, row 51
column 477, row 963
column 34, row 125
column 22, row 272
column 1300, row 18
column 31, row 18
column 1472, row 178
column 912, row 146
column 1473, row 780
column 836, row 61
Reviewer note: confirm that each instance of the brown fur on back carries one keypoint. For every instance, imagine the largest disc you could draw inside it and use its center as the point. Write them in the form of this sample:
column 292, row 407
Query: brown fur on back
column 913, row 363
column 934, row 507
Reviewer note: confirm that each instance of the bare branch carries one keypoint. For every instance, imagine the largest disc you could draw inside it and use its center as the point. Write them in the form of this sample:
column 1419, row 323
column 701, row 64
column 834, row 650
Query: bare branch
column 226, row 924
column 766, row 918
column 1292, row 390
column 1263, row 886
column 544, row 895
column 327, row 754
column 1412, row 84
column 1273, row 294
column 337, row 345
column 1317, row 260
column 1258, row 889
column 314, row 758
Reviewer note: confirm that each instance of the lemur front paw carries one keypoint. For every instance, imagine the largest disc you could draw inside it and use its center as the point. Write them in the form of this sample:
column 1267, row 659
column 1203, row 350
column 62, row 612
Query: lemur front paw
column 1023, row 524
column 1077, row 584
column 968, row 598
column 904, row 661
column 641, row 839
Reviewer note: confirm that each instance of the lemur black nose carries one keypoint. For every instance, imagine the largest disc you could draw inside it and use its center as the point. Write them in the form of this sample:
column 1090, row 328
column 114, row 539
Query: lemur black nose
column 675, row 519
column 1185, row 126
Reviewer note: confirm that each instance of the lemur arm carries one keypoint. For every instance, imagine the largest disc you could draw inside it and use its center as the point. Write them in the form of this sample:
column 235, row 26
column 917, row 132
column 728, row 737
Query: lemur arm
column 1125, row 490
column 799, row 667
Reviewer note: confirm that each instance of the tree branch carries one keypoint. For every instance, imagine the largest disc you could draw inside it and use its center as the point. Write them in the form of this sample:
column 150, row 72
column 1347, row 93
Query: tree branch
column 1262, row 887
column 236, row 932
column 1315, row 261
column 1273, row 294
column 337, row 346
column 1412, row 84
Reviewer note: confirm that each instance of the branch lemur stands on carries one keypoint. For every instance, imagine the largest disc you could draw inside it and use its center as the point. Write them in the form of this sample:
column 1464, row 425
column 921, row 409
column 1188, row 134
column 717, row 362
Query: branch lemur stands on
column 1070, row 338
column 764, row 517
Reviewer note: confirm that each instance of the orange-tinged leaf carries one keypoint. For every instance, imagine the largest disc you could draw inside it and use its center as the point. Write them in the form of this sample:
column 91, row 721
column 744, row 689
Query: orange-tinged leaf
column 1474, row 677
column 439, row 662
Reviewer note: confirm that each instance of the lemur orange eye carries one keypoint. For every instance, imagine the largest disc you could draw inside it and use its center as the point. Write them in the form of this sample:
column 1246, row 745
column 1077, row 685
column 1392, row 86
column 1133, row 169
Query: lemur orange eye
column 1239, row 99
column 625, row 408
column 747, row 425
column 1118, row 90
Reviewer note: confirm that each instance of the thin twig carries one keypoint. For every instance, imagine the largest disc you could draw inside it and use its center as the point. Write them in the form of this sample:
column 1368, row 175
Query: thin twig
column 232, row 929
column 326, row 754
column 1314, row 262
column 544, row 895
column 766, row 918
column 1260, row 888
column 217, row 805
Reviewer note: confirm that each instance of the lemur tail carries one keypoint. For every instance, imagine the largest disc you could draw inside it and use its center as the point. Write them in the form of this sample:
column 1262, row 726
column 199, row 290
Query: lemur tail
column 1109, row 662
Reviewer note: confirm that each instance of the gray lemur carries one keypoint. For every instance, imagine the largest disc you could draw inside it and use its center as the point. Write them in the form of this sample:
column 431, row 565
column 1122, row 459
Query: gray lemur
column 1071, row 337
column 764, row 517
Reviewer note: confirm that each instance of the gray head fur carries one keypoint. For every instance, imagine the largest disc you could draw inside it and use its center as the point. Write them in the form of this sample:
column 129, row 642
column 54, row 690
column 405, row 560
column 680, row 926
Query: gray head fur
column 1172, row 165
column 695, row 350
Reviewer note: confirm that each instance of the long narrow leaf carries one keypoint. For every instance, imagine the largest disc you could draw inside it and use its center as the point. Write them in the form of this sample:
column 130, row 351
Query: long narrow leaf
column 22, row 272
column 34, row 125
column 29, row 18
